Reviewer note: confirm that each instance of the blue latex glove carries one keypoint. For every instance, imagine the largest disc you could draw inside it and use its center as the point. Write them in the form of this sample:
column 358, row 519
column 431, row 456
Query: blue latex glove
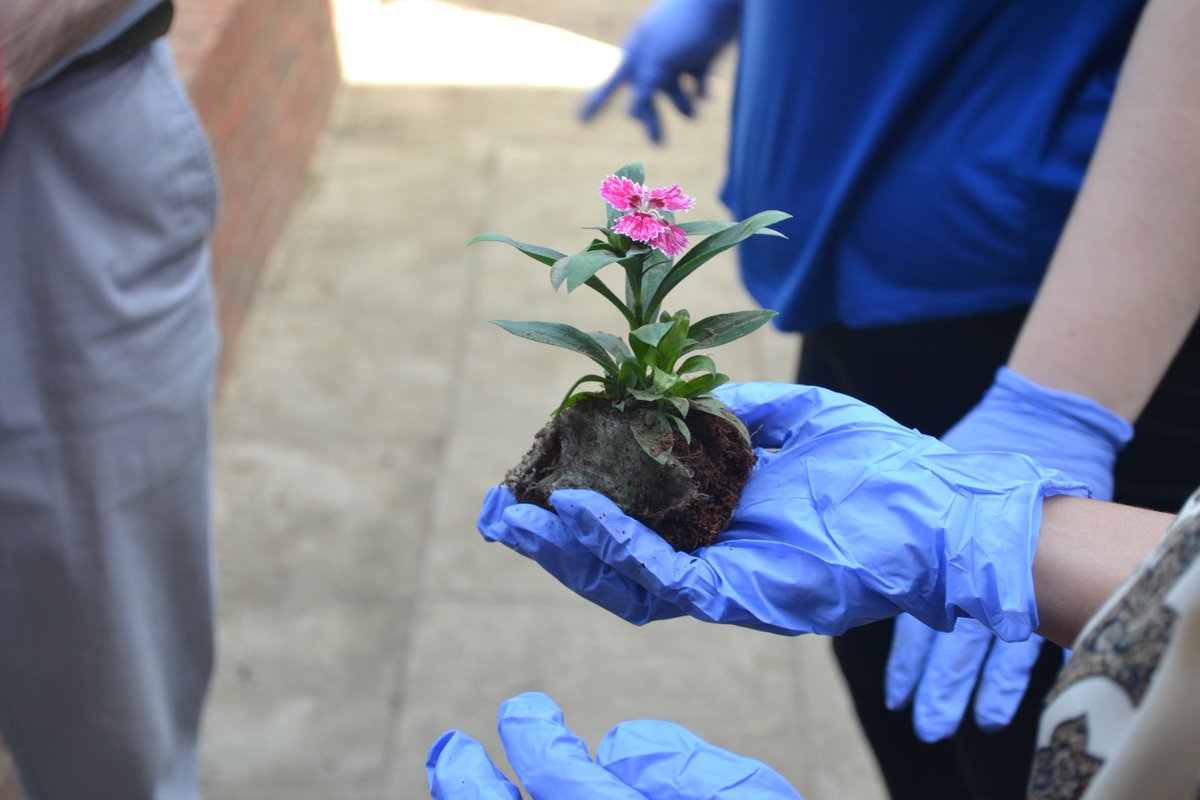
column 636, row 760
column 849, row 517
column 937, row 672
column 672, row 39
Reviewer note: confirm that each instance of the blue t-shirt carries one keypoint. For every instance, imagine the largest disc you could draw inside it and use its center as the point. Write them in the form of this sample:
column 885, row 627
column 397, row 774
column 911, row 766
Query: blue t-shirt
column 928, row 150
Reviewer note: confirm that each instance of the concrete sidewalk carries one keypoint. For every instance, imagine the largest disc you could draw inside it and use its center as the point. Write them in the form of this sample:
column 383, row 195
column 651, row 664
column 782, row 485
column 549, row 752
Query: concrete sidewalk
column 369, row 408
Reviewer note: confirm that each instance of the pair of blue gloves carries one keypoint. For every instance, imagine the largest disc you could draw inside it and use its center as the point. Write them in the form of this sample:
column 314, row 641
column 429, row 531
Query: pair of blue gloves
column 636, row 760
column 936, row 673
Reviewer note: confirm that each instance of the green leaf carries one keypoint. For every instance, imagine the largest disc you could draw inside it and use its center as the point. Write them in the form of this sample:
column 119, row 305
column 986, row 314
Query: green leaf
column 701, row 384
column 722, row 329
column 615, row 346
column 561, row 335
column 577, row 269
column 635, row 171
column 653, row 333
column 653, row 433
column 663, row 381
column 536, row 252
column 682, row 427
column 575, row 398
column 673, row 342
column 697, row 364
column 656, row 268
column 572, row 397
column 711, row 247
column 709, row 227
column 627, row 377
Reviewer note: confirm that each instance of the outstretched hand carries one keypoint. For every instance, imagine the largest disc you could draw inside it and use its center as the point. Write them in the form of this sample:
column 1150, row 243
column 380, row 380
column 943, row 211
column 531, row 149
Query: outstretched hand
column 636, row 760
column 673, row 38
column 848, row 517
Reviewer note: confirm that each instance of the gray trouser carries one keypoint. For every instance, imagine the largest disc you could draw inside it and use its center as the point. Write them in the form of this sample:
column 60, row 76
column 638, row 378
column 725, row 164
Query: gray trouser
column 107, row 355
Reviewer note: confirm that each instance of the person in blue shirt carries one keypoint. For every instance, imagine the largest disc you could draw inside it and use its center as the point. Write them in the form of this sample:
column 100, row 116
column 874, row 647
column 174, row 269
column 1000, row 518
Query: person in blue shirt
column 930, row 155
column 108, row 346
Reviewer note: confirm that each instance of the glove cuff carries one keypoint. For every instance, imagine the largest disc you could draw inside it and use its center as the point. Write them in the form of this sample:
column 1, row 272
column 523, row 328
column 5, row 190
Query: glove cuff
column 1076, row 410
column 990, row 537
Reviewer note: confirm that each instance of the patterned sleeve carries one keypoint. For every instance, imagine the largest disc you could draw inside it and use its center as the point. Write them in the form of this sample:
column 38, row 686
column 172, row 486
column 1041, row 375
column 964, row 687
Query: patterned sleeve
column 1123, row 720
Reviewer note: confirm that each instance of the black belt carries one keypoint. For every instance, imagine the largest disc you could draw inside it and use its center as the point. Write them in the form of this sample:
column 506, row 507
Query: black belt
column 153, row 24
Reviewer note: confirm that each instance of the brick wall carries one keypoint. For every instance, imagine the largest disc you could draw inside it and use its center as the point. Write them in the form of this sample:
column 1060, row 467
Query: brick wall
column 8, row 777
column 262, row 74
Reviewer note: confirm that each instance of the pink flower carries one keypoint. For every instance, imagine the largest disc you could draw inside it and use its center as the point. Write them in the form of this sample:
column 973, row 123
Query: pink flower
column 626, row 195
column 653, row 230
column 645, row 224
column 671, row 198
column 622, row 193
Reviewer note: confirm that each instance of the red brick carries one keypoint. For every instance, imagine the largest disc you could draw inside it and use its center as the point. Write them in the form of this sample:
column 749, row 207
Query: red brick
column 262, row 74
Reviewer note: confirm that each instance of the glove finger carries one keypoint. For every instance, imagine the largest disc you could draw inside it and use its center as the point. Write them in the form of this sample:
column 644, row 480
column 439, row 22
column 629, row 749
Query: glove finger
column 458, row 768
column 597, row 98
column 680, row 97
column 759, row 583
column 635, row 551
column 490, row 522
column 662, row 759
column 551, row 761
column 641, row 107
column 1005, row 679
column 950, row 676
column 701, row 76
column 540, row 535
column 911, row 641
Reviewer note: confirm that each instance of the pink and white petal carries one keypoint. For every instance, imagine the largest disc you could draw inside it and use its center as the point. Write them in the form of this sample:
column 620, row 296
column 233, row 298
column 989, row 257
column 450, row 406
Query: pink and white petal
column 640, row 227
column 670, row 198
column 670, row 240
column 622, row 193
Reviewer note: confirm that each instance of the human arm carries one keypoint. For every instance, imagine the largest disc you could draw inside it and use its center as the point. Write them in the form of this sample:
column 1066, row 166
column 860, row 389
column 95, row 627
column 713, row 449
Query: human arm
column 1087, row 549
column 636, row 760
column 1121, row 294
column 672, row 39
column 1123, row 287
column 37, row 34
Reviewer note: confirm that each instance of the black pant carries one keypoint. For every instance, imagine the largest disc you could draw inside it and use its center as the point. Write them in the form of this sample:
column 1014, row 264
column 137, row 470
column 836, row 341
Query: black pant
column 928, row 375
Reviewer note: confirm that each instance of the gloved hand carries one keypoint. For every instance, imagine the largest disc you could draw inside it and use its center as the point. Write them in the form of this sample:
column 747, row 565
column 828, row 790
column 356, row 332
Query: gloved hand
column 937, row 672
column 673, row 38
column 848, row 518
column 637, row 760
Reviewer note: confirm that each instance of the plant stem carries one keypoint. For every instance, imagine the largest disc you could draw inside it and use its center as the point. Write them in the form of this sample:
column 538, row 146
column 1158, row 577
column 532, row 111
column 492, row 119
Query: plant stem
column 633, row 279
column 608, row 295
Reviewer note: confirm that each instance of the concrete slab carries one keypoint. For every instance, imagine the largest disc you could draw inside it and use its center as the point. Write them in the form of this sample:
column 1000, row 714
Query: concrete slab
column 371, row 405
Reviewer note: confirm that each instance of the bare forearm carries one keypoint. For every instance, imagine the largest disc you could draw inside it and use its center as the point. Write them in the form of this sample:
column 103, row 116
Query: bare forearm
column 1123, row 288
column 1086, row 550
column 37, row 34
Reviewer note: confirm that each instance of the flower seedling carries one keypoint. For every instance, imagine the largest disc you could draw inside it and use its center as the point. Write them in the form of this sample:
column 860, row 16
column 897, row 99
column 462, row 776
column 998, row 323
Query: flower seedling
column 656, row 374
